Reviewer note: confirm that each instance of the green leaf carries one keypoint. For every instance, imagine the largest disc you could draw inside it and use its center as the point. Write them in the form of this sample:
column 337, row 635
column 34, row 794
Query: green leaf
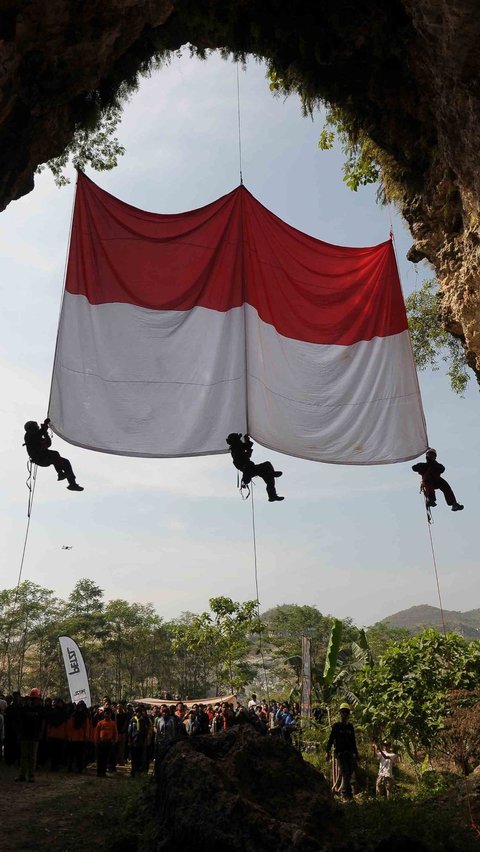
column 332, row 652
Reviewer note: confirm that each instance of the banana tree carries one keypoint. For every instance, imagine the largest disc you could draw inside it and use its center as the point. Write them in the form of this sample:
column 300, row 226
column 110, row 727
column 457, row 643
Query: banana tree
column 342, row 666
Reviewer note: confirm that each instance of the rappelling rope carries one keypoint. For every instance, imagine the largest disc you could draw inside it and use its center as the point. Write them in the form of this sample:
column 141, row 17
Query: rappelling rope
column 241, row 485
column 30, row 483
column 429, row 525
column 255, row 563
column 473, row 825
column 31, row 467
column 428, row 508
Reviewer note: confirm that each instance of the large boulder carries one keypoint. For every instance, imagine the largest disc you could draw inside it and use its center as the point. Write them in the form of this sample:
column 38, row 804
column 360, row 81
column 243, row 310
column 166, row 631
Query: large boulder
column 240, row 790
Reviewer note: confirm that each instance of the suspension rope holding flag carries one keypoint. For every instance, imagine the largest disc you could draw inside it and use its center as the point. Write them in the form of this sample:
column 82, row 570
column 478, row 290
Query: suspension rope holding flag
column 178, row 329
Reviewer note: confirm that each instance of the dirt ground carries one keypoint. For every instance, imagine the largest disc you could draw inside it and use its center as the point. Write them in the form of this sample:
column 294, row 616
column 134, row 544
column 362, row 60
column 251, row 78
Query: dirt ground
column 62, row 812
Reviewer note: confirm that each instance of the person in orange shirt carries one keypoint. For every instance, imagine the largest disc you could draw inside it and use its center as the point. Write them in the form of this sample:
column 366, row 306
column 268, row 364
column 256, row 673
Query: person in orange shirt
column 106, row 735
column 56, row 733
column 78, row 734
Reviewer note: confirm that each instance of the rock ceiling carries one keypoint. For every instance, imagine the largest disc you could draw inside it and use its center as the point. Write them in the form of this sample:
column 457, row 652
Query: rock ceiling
column 406, row 72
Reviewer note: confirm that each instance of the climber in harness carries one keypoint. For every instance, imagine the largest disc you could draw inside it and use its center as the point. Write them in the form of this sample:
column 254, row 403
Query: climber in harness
column 38, row 443
column 431, row 473
column 241, row 450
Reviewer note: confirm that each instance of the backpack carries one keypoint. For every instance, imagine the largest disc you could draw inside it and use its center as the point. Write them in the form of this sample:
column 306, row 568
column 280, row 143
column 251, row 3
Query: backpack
column 195, row 728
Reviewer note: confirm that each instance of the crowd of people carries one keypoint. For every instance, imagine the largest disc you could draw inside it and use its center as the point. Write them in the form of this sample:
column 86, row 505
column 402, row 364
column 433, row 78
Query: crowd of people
column 52, row 733
column 58, row 735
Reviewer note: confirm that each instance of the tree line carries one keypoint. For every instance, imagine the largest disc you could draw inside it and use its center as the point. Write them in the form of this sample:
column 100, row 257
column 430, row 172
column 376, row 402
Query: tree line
column 422, row 692
column 130, row 650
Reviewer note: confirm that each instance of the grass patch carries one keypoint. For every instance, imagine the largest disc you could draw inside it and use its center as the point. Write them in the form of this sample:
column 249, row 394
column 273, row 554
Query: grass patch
column 64, row 812
column 420, row 825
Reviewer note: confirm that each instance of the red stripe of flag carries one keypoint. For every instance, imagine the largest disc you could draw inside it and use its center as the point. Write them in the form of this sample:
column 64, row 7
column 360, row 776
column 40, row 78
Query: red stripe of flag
column 228, row 252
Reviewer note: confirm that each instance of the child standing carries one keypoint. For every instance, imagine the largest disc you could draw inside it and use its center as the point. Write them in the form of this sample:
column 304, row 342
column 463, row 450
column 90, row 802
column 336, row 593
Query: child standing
column 386, row 758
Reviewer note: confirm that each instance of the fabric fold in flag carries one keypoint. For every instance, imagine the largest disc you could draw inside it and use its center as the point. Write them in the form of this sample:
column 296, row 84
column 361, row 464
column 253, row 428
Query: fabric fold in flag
column 178, row 329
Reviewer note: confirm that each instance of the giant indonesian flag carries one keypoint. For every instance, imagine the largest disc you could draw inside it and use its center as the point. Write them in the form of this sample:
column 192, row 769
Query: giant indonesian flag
column 179, row 329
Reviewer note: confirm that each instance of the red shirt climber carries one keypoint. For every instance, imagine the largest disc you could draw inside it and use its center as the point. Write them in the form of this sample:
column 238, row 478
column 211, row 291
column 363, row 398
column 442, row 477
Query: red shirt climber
column 431, row 473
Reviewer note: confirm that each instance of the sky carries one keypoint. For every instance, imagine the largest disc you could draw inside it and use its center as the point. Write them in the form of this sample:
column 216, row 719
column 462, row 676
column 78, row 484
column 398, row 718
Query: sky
column 352, row 541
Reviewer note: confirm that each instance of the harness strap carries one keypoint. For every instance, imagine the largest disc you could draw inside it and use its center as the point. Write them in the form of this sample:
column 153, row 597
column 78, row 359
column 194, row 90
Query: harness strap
column 427, row 507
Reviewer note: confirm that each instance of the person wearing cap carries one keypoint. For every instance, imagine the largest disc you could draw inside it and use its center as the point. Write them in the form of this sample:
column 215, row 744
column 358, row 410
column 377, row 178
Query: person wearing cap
column 241, row 450
column 342, row 738
column 431, row 472
column 32, row 722
column 386, row 758
column 38, row 443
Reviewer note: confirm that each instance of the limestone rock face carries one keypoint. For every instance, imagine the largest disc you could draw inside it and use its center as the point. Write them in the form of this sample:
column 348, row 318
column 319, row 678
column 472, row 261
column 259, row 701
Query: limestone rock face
column 444, row 213
column 52, row 55
column 405, row 71
column 243, row 791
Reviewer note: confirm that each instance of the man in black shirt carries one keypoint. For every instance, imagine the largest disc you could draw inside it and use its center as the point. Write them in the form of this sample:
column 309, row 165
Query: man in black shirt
column 38, row 443
column 241, row 450
column 32, row 722
column 342, row 738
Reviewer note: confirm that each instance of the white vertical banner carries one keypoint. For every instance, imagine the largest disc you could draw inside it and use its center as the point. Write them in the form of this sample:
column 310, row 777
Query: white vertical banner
column 75, row 670
column 306, row 697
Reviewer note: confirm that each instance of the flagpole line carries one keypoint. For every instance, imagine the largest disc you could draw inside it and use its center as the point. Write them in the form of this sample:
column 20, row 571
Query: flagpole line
column 242, row 248
column 387, row 202
column 62, row 298
column 239, row 127
column 392, row 237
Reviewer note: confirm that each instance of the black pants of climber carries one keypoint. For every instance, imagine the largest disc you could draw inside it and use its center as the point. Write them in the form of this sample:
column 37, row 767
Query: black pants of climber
column 61, row 465
column 265, row 471
column 443, row 486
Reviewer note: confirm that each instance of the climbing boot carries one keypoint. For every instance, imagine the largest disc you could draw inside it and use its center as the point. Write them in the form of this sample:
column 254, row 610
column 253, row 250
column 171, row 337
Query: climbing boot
column 278, row 473
column 431, row 504
column 74, row 486
column 457, row 507
column 274, row 497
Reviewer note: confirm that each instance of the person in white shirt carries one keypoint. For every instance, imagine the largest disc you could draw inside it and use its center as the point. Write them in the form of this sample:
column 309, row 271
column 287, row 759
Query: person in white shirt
column 386, row 758
column 253, row 702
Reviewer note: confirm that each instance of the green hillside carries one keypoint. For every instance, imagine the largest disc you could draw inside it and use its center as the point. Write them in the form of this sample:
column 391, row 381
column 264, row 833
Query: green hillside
column 417, row 618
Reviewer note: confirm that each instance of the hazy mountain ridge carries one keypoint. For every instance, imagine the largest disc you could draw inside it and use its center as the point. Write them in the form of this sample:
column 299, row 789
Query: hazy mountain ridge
column 417, row 618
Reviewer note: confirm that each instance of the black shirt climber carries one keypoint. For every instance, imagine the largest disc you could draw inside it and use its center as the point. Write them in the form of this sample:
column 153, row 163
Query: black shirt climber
column 431, row 473
column 241, row 450
column 38, row 443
